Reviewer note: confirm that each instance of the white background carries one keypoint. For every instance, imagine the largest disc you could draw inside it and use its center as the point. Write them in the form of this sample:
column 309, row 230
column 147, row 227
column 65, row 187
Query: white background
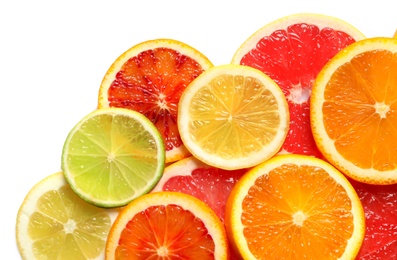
column 54, row 54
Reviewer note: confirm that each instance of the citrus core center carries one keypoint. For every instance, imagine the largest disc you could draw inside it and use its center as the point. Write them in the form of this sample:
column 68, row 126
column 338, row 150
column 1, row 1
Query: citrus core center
column 162, row 251
column 69, row 226
column 382, row 109
column 298, row 218
column 299, row 94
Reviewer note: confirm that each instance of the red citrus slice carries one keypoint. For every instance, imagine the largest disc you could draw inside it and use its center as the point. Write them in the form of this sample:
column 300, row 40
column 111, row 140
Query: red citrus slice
column 292, row 50
column 167, row 225
column 150, row 78
column 380, row 207
column 209, row 184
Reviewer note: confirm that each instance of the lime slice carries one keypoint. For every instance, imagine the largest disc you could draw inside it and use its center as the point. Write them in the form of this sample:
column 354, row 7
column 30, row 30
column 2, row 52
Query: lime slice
column 112, row 156
column 54, row 223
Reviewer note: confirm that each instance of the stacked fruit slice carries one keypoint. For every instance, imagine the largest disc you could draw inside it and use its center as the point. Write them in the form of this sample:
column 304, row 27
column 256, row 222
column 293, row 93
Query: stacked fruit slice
column 185, row 159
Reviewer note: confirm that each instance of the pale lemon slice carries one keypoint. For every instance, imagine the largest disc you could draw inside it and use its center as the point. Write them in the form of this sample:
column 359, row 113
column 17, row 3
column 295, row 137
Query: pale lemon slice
column 233, row 117
column 54, row 223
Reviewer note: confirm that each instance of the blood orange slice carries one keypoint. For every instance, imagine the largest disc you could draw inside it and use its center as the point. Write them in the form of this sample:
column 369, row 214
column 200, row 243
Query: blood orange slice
column 380, row 207
column 207, row 183
column 292, row 50
column 167, row 225
column 150, row 78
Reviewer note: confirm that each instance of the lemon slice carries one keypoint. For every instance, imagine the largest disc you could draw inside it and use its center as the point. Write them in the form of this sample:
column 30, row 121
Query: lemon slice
column 233, row 117
column 54, row 223
column 112, row 156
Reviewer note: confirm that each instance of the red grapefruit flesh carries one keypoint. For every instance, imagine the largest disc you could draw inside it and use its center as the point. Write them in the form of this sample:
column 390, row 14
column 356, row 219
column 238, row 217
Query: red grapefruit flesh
column 209, row 184
column 380, row 207
column 292, row 51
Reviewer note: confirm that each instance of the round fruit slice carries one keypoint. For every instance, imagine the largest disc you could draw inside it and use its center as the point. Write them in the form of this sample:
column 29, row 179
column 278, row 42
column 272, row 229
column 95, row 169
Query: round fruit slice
column 209, row 184
column 354, row 111
column 54, row 223
column 291, row 51
column 167, row 225
column 112, row 156
column 380, row 207
column 295, row 207
column 233, row 117
column 150, row 78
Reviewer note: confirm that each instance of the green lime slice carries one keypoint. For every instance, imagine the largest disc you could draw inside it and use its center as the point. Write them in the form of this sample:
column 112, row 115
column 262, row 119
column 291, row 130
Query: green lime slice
column 112, row 156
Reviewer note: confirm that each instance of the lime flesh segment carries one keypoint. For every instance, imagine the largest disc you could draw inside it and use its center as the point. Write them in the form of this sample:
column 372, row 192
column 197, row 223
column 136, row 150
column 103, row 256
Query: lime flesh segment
column 113, row 156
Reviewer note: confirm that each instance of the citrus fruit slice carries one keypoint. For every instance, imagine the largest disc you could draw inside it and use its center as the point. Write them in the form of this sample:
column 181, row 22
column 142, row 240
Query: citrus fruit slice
column 380, row 207
column 233, row 117
column 292, row 50
column 112, row 156
column 54, row 223
column 354, row 111
column 150, row 78
column 209, row 184
column 295, row 207
column 167, row 225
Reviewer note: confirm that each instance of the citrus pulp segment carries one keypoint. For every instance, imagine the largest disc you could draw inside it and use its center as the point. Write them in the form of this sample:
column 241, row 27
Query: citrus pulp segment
column 380, row 207
column 354, row 111
column 233, row 117
column 150, row 78
column 295, row 207
column 209, row 184
column 167, row 225
column 112, row 156
column 292, row 50
column 54, row 223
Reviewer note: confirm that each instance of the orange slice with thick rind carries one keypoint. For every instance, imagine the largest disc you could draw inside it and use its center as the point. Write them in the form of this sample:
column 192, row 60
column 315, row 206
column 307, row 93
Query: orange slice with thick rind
column 354, row 111
column 295, row 207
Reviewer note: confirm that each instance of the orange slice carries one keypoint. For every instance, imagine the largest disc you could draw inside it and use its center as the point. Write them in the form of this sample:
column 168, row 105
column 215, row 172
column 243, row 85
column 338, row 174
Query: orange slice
column 295, row 207
column 150, row 78
column 167, row 225
column 292, row 50
column 233, row 117
column 354, row 111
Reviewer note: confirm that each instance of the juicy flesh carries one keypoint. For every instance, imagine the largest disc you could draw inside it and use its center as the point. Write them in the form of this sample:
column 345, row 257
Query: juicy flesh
column 292, row 58
column 211, row 185
column 66, row 227
column 165, row 232
column 297, row 212
column 380, row 207
column 152, row 83
column 360, row 110
column 117, row 161
column 234, row 116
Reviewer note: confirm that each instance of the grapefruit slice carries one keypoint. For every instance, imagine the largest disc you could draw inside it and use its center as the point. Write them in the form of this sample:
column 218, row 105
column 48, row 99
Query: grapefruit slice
column 292, row 50
column 167, row 225
column 207, row 183
column 380, row 207
column 150, row 78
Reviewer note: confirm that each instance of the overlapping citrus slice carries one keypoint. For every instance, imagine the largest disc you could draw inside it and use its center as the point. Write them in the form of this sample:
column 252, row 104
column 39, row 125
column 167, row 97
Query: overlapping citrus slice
column 292, row 50
column 150, row 78
column 54, row 223
column 354, row 111
column 380, row 207
column 194, row 177
column 112, row 156
column 167, row 225
column 295, row 207
column 233, row 117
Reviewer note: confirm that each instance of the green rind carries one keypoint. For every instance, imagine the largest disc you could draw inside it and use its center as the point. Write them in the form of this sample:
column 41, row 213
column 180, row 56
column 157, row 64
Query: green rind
column 133, row 174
